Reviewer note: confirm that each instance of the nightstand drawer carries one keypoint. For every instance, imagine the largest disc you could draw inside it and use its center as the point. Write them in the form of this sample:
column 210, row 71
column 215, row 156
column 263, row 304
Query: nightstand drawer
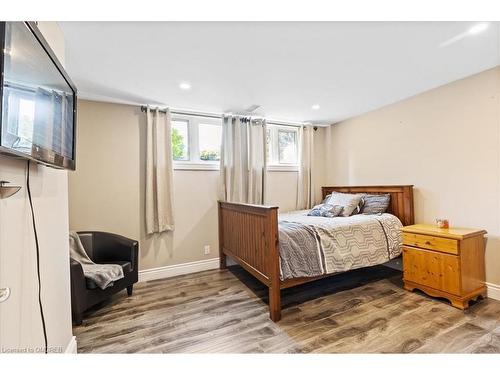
column 429, row 268
column 444, row 245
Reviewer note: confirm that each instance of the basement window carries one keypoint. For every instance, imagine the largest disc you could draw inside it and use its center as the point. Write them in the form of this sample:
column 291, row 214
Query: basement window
column 180, row 140
column 196, row 142
column 209, row 141
column 282, row 148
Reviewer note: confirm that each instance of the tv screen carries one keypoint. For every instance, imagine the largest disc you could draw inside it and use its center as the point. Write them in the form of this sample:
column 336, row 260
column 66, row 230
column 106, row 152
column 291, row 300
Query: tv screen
column 38, row 103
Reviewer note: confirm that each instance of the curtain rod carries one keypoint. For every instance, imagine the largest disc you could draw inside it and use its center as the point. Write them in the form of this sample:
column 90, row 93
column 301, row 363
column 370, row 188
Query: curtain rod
column 219, row 116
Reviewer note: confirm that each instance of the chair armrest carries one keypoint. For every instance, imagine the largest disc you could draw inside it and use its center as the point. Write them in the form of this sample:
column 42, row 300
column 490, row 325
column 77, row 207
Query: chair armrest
column 78, row 284
column 108, row 247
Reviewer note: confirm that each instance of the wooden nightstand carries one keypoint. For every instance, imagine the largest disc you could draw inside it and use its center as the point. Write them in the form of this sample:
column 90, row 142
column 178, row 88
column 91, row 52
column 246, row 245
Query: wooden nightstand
column 445, row 263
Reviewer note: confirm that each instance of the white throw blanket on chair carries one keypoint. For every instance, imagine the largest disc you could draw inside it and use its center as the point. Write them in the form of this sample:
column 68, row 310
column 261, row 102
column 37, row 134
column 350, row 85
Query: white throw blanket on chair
column 103, row 275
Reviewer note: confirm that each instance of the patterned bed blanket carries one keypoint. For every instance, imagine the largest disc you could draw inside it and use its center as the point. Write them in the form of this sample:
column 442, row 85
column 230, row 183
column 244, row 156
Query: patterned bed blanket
column 313, row 246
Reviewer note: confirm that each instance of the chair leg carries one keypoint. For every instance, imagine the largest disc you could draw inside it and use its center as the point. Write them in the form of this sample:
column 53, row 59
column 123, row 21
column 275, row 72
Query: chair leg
column 78, row 319
column 130, row 290
column 222, row 261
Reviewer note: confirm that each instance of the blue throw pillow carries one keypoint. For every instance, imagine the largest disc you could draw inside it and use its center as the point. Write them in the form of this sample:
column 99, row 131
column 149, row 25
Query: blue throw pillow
column 326, row 210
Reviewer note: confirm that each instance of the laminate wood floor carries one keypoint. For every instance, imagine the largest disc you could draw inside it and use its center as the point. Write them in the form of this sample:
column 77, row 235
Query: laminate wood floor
column 362, row 311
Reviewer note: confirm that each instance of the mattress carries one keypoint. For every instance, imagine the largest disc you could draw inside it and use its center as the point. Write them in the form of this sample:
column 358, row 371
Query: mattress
column 313, row 246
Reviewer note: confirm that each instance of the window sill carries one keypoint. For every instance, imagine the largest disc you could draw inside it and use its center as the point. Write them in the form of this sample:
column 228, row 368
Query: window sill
column 282, row 168
column 186, row 166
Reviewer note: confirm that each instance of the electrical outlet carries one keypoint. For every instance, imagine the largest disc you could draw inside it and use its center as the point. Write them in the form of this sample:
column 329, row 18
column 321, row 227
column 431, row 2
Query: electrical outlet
column 207, row 249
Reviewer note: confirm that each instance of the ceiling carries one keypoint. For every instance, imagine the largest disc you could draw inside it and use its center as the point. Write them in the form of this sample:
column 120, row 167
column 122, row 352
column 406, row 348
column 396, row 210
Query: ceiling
column 348, row 68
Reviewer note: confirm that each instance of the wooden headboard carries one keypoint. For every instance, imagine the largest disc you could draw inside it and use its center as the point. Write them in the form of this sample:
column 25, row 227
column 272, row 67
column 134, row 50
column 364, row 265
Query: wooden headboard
column 401, row 198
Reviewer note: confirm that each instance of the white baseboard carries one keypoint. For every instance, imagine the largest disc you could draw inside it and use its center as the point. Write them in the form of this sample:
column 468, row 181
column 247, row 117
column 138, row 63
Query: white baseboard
column 493, row 291
column 72, row 347
column 178, row 269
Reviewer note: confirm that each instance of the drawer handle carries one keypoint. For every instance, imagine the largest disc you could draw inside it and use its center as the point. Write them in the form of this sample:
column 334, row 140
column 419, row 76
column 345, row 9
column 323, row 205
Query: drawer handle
column 428, row 242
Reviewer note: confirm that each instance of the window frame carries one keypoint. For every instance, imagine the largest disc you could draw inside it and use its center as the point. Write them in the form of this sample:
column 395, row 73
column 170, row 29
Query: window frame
column 209, row 122
column 273, row 162
column 176, row 119
column 194, row 162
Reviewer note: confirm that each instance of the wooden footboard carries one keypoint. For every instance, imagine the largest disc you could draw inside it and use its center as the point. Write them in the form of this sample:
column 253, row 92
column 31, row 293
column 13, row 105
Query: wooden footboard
column 249, row 235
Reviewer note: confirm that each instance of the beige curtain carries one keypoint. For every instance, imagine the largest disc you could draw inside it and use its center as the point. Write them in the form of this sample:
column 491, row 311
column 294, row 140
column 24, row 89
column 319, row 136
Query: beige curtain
column 243, row 160
column 257, row 162
column 159, row 174
column 305, row 181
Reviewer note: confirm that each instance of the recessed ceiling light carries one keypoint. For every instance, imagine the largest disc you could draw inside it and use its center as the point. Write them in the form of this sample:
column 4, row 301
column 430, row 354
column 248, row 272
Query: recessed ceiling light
column 184, row 85
column 477, row 28
column 315, row 107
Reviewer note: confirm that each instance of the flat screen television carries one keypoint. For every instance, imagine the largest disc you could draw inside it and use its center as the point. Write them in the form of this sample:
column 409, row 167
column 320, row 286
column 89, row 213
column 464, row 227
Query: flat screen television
column 38, row 99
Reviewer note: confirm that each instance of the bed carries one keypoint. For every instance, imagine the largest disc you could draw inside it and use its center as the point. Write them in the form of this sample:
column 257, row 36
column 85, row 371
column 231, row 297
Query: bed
column 250, row 235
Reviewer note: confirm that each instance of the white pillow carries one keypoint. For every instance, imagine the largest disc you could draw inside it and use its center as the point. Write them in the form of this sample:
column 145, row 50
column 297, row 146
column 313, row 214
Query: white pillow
column 348, row 201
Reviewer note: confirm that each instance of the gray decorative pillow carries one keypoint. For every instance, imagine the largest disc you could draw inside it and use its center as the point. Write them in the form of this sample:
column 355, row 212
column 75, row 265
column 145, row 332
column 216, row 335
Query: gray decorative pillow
column 325, row 210
column 360, row 205
column 358, row 208
column 348, row 201
column 375, row 203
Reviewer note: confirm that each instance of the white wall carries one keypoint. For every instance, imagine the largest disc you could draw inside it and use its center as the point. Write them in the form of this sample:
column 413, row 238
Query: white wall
column 445, row 142
column 107, row 190
column 20, row 324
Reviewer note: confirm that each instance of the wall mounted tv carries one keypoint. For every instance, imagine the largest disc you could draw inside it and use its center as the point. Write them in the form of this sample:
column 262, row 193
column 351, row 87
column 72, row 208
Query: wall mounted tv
column 38, row 100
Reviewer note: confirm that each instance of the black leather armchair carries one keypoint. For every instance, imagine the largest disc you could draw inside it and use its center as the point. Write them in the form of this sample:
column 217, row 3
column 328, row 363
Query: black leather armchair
column 103, row 248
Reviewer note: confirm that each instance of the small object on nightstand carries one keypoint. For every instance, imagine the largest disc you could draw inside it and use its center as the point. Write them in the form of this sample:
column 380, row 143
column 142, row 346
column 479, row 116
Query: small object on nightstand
column 442, row 223
column 446, row 263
